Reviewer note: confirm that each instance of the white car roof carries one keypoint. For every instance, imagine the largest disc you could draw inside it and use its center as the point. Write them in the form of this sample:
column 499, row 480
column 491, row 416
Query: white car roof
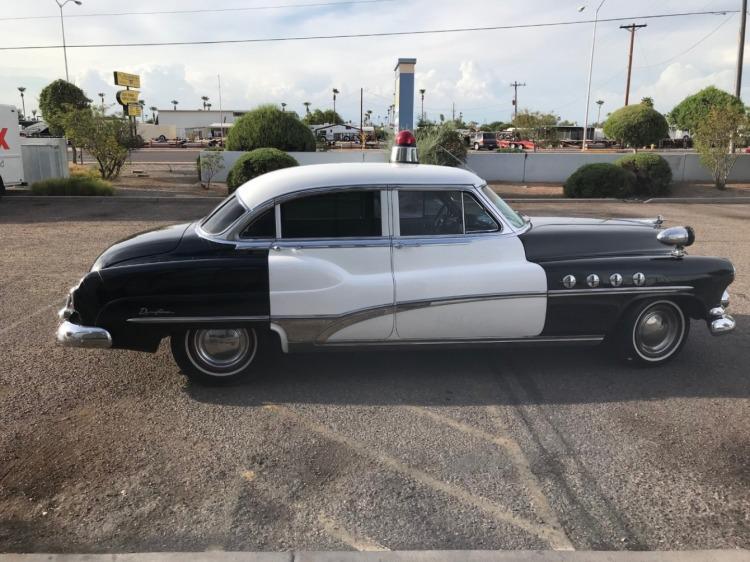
column 299, row 178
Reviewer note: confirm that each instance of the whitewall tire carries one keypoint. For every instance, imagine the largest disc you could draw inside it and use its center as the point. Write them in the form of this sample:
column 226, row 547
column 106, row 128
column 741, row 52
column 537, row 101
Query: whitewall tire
column 215, row 356
column 653, row 332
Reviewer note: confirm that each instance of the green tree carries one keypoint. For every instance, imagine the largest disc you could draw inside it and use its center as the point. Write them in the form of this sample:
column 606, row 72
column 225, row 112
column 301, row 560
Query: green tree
column 494, row 126
column 441, row 145
column 636, row 126
column 690, row 112
column 535, row 126
column 108, row 139
column 211, row 163
column 320, row 117
column 56, row 100
column 268, row 126
column 713, row 138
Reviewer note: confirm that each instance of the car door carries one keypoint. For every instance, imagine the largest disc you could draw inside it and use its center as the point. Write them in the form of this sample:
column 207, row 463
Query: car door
column 460, row 273
column 330, row 267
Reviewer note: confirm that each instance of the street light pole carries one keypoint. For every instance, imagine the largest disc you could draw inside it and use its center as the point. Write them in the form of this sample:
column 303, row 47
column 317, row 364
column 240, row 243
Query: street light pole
column 61, row 4
column 591, row 69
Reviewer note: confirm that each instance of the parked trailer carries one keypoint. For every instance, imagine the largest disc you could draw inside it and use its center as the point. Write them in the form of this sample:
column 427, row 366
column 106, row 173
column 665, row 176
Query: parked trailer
column 11, row 163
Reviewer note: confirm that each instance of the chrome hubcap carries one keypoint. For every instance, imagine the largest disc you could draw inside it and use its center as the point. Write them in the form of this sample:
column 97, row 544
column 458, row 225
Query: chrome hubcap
column 223, row 349
column 658, row 330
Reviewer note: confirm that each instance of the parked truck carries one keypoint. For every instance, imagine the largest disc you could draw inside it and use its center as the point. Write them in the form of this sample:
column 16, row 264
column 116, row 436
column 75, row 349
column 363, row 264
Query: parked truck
column 11, row 164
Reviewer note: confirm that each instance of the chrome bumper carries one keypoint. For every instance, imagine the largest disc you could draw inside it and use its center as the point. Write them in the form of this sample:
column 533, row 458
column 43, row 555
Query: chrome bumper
column 74, row 335
column 719, row 322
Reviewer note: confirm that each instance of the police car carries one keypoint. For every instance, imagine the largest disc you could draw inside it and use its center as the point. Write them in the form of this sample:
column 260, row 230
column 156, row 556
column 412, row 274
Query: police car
column 387, row 255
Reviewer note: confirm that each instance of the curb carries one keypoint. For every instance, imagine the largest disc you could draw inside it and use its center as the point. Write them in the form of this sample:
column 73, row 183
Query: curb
column 397, row 556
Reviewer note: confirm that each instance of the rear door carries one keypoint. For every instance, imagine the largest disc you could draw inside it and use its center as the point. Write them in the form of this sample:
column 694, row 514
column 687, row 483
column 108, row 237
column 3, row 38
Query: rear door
column 460, row 274
column 330, row 267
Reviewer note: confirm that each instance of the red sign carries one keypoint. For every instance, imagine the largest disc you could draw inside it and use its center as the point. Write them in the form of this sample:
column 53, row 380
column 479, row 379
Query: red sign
column 3, row 142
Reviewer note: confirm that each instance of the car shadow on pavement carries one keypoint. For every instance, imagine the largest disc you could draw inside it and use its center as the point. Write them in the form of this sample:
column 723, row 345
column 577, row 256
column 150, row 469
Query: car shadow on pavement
column 706, row 367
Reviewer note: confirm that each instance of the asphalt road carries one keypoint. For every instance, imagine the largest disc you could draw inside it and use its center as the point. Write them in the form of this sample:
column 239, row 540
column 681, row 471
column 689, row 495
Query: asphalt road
column 441, row 449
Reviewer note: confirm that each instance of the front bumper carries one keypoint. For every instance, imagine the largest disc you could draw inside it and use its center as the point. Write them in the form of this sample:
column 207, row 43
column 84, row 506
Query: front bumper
column 75, row 335
column 719, row 322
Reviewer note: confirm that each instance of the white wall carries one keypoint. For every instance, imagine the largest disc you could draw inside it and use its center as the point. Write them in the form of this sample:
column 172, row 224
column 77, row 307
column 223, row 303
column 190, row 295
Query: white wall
column 44, row 158
column 529, row 167
column 183, row 119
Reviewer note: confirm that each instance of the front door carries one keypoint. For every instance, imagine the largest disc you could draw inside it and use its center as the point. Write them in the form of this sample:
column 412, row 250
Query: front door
column 330, row 268
column 458, row 274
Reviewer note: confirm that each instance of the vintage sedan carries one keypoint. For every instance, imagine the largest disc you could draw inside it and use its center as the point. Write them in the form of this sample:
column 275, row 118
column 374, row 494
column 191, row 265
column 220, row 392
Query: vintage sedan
column 392, row 254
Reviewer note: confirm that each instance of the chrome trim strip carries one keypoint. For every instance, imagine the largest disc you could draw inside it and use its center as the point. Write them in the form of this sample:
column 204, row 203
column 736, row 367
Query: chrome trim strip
column 619, row 291
column 317, row 243
column 196, row 319
column 534, row 339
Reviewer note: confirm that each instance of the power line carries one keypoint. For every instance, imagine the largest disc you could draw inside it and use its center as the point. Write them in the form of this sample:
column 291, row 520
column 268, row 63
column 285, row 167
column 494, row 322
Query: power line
column 200, row 11
column 361, row 35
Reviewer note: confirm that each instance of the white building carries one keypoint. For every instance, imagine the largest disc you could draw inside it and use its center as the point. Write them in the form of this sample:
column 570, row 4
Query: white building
column 198, row 123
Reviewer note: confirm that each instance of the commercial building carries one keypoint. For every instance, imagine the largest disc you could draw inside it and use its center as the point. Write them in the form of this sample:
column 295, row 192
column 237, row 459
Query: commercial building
column 199, row 123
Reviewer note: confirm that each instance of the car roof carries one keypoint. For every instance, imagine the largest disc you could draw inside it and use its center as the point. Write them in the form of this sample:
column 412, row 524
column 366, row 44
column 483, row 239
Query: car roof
column 300, row 178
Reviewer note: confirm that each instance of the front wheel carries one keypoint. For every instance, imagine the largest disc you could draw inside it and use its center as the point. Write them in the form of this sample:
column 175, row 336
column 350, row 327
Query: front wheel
column 653, row 332
column 476, row 146
column 215, row 356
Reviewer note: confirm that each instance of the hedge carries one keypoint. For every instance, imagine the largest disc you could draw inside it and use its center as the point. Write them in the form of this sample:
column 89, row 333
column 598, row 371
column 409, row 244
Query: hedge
column 256, row 163
column 652, row 172
column 74, row 185
column 267, row 126
column 600, row 180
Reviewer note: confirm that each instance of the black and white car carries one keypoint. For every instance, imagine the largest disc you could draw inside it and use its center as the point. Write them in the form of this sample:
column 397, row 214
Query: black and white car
column 325, row 256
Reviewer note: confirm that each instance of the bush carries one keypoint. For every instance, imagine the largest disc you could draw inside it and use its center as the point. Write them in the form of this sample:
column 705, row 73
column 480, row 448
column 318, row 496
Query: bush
column 652, row 173
column 74, row 185
column 600, row 180
column 441, row 145
column 267, row 126
column 636, row 125
column 256, row 163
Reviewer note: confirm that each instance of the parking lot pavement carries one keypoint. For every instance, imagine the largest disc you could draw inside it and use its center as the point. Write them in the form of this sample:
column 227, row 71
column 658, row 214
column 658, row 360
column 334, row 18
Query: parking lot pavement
column 442, row 449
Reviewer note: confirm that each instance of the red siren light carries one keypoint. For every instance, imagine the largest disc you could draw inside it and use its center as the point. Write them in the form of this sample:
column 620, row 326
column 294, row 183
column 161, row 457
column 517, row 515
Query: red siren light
column 405, row 138
column 405, row 148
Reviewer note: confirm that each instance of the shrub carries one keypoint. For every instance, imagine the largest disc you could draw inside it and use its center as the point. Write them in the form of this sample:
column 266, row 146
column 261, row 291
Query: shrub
column 74, row 185
column 636, row 125
column 256, row 163
column 600, row 180
column 652, row 173
column 267, row 126
column 441, row 145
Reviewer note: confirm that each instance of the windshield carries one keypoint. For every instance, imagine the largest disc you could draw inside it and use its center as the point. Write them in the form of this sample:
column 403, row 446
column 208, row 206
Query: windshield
column 510, row 215
column 224, row 215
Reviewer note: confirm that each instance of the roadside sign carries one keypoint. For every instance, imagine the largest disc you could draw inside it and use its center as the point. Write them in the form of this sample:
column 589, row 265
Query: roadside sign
column 134, row 110
column 126, row 97
column 127, row 80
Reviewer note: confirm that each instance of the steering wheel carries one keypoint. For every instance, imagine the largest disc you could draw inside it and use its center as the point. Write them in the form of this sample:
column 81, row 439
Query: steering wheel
column 442, row 218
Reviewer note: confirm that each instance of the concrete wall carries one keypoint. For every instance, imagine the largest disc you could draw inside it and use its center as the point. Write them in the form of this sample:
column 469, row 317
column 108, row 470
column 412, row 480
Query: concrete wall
column 44, row 158
column 529, row 167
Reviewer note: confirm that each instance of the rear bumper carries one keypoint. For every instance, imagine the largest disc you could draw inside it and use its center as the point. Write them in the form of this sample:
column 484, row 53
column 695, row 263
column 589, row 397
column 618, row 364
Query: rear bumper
column 75, row 335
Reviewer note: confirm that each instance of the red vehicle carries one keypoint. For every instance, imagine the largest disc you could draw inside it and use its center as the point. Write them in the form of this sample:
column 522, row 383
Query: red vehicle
column 515, row 143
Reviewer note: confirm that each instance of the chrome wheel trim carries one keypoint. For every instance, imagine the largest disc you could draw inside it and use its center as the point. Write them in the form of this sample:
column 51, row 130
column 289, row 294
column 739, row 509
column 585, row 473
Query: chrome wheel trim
column 221, row 352
column 658, row 331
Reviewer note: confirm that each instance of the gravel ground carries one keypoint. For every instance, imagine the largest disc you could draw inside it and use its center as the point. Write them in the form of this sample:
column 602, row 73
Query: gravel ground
column 111, row 451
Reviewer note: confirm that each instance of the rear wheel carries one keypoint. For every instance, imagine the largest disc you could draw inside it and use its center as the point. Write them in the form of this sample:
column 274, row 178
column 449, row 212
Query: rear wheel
column 652, row 333
column 476, row 146
column 216, row 356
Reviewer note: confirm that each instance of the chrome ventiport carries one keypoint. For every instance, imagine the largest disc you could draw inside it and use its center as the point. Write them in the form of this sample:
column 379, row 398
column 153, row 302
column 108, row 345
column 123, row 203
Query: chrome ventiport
column 639, row 279
column 569, row 281
column 592, row 280
column 615, row 279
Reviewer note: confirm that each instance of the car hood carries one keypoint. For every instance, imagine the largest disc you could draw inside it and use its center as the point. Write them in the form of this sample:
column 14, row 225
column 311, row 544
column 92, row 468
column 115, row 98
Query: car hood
column 142, row 245
column 558, row 238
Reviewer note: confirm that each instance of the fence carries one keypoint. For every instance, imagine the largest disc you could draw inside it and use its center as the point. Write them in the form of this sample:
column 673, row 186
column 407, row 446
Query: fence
column 44, row 158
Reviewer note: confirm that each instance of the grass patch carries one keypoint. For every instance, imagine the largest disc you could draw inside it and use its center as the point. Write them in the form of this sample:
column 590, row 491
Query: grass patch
column 74, row 185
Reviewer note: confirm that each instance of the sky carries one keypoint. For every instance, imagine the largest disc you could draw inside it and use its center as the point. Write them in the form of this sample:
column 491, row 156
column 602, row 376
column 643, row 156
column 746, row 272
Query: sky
column 673, row 57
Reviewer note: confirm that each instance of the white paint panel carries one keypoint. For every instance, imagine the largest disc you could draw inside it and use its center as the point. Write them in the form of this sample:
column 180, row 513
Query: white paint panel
column 312, row 282
column 486, row 265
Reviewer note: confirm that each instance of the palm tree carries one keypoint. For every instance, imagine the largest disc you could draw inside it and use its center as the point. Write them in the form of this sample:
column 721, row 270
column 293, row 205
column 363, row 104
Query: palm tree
column 600, row 103
column 307, row 105
column 283, row 106
column 174, row 103
column 101, row 95
column 33, row 112
column 335, row 91
column 369, row 116
column 208, row 106
column 153, row 109
column 205, row 99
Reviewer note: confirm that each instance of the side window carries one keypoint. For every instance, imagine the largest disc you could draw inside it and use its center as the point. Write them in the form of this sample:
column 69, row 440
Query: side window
column 263, row 226
column 342, row 214
column 430, row 213
column 476, row 218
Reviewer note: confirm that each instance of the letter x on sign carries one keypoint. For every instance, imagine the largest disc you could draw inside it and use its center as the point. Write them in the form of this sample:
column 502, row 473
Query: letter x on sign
column 3, row 142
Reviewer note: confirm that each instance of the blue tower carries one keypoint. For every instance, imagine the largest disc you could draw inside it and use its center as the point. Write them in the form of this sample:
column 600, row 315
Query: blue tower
column 404, row 103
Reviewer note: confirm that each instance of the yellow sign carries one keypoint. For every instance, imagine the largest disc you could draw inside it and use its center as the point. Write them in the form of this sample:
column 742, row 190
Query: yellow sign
column 134, row 110
column 127, row 80
column 125, row 97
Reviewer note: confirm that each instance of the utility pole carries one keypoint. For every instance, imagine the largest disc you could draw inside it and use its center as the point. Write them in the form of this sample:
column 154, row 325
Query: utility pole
column 361, row 118
column 741, row 49
column 515, row 86
column 632, row 27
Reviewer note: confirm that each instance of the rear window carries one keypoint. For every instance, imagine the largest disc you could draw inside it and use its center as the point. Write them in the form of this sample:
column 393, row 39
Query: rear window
column 224, row 215
column 489, row 136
